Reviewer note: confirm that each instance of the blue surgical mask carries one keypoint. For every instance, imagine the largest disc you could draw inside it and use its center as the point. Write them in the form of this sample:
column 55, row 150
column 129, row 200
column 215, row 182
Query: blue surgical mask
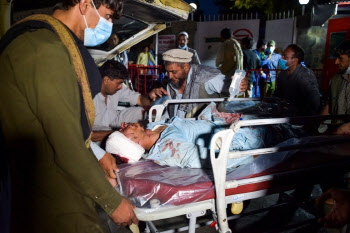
column 98, row 35
column 184, row 47
column 270, row 50
column 282, row 63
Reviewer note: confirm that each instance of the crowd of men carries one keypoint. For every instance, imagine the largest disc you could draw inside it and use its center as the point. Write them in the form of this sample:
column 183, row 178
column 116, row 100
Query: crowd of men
column 57, row 106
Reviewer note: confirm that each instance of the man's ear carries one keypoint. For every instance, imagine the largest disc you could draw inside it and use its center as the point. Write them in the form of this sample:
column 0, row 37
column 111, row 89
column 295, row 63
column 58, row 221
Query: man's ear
column 105, row 80
column 84, row 5
column 187, row 67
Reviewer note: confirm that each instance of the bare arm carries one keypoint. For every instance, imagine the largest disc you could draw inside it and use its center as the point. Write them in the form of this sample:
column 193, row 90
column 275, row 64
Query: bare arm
column 100, row 135
column 143, row 101
column 340, row 213
column 325, row 110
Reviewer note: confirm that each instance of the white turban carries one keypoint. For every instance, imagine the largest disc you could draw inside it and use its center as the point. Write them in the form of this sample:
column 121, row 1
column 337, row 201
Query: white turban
column 177, row 55
column 118, row 144
column 183, row 33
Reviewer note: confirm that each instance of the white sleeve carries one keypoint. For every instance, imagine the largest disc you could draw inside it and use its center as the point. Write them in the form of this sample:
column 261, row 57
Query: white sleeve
column 215, row 85
column 127, row 95
column 98, row 151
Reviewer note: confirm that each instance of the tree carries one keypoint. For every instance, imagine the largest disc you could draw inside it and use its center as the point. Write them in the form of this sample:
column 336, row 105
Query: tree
column 260, row 6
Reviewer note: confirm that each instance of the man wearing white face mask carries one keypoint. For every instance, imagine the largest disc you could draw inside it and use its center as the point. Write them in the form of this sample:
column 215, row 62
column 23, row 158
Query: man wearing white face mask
column 182, row 41
column 297, row 84
column 272, row 63
column 46, row 114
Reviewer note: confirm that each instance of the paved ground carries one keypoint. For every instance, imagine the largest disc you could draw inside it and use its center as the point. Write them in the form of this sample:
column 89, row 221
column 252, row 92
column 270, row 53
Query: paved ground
column 280, row 218
column 277, row 216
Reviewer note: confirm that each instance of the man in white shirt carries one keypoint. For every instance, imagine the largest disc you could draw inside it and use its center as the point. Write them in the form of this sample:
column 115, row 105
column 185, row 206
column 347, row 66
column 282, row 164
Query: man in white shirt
column 108, row 115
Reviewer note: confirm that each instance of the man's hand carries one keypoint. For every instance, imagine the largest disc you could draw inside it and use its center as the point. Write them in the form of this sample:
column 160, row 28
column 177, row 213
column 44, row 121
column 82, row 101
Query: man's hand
column 243, row 86
column 124, row 215
column 157, row 92
column 340, row 213
column 108, row 164
column 343, row 129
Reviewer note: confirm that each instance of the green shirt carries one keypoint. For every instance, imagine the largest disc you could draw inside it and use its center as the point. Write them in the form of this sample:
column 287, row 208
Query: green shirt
column 336, row 85
column 53, row 173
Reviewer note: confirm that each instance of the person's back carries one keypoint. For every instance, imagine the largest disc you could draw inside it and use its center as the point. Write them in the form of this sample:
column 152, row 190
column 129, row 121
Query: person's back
column 230, row 56
column 250, row 61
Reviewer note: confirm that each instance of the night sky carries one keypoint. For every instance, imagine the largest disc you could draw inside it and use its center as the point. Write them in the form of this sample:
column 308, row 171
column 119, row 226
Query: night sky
column 207, row 6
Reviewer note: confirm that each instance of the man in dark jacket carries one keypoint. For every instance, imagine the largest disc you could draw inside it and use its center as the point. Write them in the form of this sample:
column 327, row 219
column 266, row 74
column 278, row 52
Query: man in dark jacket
column 297, row 84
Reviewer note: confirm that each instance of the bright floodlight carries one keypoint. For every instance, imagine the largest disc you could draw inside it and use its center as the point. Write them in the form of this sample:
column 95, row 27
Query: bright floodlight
column 303, row 2
column 193, row 5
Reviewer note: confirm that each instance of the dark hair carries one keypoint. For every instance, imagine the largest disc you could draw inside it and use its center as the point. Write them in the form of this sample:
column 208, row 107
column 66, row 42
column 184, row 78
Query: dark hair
column 226, row 33
column 114, row 70
column 115, row 5
column 260, row 43
column 248, row 42
column 298, row 52
column 168, row 63
column 343, row 48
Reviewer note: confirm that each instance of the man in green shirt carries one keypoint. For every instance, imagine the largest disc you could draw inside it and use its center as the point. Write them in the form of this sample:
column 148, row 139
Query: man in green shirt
column 340, row 83
column 47, row 83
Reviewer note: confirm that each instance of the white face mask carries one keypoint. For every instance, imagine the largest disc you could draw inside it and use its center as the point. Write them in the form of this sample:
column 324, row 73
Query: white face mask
column 98, row 35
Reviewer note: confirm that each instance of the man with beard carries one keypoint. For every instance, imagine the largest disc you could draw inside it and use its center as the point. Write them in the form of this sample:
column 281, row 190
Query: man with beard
column 192, row 82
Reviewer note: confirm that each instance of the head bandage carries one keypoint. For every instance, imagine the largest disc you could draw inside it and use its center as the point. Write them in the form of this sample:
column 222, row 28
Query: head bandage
column 177, row 55
column 118, row 144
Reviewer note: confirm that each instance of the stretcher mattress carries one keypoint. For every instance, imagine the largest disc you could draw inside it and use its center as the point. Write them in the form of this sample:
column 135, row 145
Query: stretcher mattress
column 144, row 181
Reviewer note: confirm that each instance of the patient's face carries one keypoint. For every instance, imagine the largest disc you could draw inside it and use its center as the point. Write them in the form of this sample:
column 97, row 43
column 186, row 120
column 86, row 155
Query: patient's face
column 135, row 132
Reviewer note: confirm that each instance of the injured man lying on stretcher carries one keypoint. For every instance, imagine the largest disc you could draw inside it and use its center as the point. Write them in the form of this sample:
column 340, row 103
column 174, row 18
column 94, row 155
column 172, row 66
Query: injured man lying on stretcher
column 185, row 143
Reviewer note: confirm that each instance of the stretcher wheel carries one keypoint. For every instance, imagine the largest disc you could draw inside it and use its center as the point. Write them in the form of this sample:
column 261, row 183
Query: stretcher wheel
column 237, row 207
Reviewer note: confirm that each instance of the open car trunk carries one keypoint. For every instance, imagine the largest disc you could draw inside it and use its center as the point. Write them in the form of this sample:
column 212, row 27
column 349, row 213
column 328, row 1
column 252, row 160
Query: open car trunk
column 141, row 19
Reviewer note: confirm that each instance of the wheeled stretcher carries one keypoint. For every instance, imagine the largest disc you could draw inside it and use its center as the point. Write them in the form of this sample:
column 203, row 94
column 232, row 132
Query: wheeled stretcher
column 165, row 192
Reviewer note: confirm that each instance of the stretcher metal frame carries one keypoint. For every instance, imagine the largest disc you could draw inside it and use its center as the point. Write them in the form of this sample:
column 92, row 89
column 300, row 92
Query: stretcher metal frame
column 219, row 163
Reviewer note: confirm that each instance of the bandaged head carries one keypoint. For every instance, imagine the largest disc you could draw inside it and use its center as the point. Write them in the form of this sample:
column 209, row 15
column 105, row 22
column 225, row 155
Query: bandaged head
column 118, row 143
